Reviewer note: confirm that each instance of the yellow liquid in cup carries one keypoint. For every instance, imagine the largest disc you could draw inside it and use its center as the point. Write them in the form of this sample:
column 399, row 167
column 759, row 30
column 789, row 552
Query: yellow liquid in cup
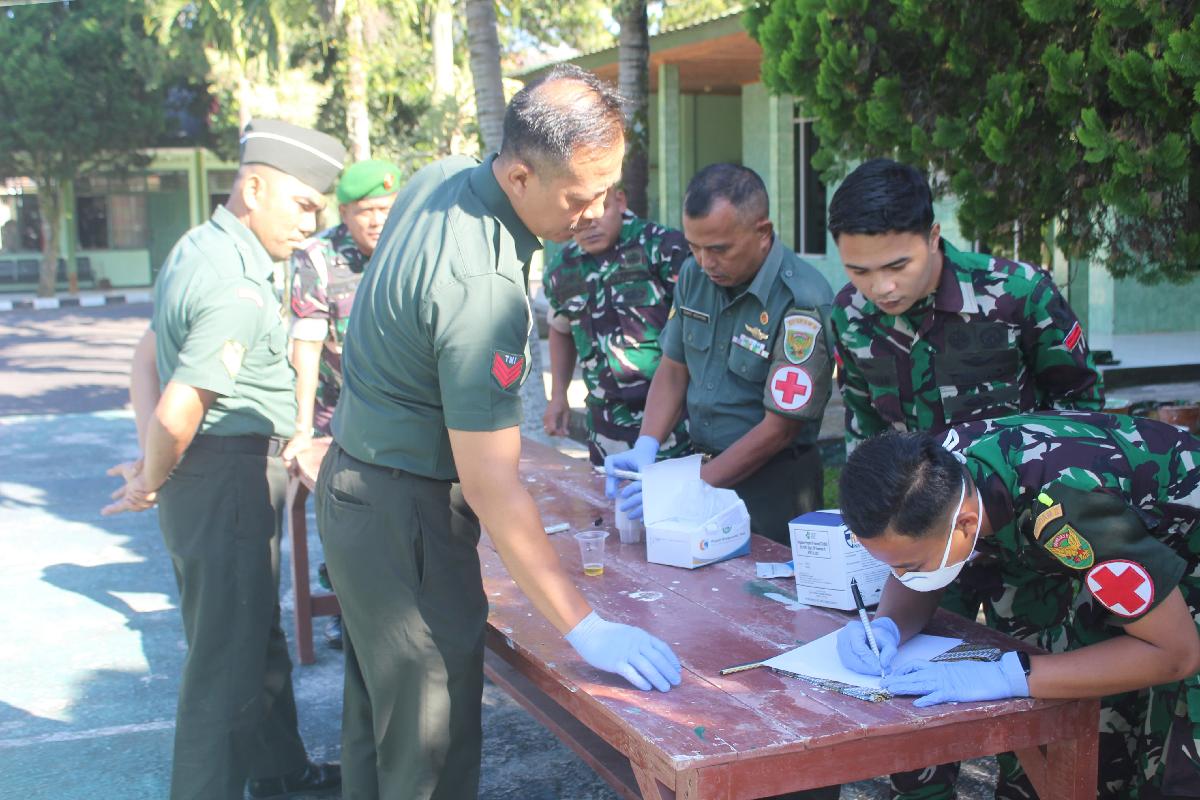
column 593, row 569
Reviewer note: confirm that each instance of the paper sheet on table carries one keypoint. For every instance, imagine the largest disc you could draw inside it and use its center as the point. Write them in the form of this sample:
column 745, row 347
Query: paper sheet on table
column 819, row 659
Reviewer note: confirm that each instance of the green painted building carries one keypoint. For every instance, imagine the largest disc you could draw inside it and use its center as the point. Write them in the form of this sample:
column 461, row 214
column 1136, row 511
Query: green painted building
column 119, row 228
column 708, row 105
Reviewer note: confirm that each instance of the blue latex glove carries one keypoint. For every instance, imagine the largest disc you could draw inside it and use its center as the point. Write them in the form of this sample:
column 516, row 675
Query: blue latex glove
column 960, row 681
column 855, row 652
column 628, row 651
column 643, row 453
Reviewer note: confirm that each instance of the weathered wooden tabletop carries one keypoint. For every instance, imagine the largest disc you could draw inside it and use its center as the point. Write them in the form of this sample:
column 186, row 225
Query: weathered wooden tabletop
column 754, row 733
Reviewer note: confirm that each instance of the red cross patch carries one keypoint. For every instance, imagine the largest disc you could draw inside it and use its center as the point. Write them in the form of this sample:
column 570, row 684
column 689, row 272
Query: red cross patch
column 507, row 368
column 1123, row 587
column 1073, row 336
column 791, row 388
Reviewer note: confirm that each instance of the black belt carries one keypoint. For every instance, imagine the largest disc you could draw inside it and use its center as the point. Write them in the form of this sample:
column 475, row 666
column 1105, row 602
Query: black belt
column 249, row 445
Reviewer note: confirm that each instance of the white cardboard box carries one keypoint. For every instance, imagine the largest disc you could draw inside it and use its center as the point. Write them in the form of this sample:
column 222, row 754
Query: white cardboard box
column 826, row 556
column 689, row 523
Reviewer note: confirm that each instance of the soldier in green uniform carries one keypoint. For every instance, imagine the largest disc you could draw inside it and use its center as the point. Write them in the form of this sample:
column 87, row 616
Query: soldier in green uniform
column 747, row 348
column 211, row 461
column 1097, row 518
column 427, row 444
column 610, row 291
column 325, row 275
column 929, row 336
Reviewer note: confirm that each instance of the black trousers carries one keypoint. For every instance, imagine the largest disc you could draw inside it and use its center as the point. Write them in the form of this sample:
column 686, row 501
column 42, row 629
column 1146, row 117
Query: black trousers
column 790, row 484
column 221, row 515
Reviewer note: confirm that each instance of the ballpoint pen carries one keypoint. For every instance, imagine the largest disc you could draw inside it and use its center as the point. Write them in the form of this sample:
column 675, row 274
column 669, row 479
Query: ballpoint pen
column 862, row 615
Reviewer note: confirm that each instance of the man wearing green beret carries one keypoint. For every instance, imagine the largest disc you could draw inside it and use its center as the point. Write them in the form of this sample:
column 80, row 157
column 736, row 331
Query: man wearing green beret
column 325, row 273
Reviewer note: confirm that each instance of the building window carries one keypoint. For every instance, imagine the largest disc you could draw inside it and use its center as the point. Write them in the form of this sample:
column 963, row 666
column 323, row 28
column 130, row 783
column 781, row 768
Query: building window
column 809, row 192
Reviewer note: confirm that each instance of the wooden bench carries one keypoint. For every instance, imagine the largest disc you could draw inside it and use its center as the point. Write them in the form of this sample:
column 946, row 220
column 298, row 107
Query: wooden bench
column 747, row 735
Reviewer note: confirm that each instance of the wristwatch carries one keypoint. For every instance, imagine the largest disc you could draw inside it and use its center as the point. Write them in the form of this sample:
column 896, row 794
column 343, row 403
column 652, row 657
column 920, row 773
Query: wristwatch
column 1023, row 657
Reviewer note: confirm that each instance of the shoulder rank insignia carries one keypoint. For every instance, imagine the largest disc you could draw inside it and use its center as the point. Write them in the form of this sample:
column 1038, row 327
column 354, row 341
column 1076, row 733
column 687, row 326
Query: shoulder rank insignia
column 1070, row 548
column 800, row 337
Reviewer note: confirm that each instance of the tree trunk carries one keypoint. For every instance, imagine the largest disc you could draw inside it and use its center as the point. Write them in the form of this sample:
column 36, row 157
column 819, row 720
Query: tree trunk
column 442, row 35
column 49, row 203
column 633, row 81
column 484, row 46
column 358, row 120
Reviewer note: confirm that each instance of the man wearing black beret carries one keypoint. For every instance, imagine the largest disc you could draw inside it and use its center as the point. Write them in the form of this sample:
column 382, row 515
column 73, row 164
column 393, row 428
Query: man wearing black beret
column 212, row 429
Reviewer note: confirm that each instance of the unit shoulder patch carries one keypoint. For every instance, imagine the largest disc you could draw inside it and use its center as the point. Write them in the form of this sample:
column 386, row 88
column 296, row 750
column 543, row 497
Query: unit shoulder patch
column 791, row 388
column 1123, row 587
column 232, row 353
column 1069, row 547
column 800, row 333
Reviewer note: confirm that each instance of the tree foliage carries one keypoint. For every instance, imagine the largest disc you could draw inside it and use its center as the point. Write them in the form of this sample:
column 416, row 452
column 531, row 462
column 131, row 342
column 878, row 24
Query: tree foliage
column 82, row 92
column 1086, row 114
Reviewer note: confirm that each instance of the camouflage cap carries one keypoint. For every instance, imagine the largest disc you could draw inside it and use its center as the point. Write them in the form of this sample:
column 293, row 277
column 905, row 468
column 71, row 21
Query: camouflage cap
column 373, row 178
column 315, row 158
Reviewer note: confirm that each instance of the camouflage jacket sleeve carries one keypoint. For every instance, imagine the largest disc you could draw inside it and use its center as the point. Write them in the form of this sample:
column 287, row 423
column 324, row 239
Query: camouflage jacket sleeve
column 669, row 252
column 862, row 420
column 1063, row 368
column 309, row 299
column 1126, row 571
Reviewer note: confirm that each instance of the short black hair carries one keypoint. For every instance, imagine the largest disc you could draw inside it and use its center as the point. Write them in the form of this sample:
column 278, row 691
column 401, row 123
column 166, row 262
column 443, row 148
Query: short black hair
column 739, row 186
column 902, row 481
column 546, row 127
column 882, row 196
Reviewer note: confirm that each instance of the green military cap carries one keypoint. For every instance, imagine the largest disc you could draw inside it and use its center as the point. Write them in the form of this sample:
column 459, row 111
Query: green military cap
column 373, row 178
column 315, row 158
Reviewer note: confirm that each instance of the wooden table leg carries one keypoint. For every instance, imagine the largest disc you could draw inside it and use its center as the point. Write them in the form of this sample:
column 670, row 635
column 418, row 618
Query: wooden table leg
column 651, row 787
column 297, row 520
column 1069, row 768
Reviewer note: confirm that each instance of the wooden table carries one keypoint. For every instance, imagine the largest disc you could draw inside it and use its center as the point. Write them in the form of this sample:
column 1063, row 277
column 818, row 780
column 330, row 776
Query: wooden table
column 301, row 481
column 750, row 734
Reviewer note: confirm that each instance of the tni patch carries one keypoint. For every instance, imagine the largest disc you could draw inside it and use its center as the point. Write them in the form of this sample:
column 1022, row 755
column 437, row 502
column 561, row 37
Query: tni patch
column 507, row 368
column 1071, row 549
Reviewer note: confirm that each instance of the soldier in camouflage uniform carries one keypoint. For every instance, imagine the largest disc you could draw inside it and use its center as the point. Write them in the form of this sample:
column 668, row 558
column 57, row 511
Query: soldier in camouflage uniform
column 326, row 271
column 1093, row 522
column 929, row 336
column 610, row 291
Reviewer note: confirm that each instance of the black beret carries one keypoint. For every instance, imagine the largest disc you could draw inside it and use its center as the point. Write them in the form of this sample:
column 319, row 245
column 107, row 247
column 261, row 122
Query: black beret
column 315, row 158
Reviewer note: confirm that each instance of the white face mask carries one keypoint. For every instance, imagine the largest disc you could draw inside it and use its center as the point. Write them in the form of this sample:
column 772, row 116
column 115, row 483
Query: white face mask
column 944, row 575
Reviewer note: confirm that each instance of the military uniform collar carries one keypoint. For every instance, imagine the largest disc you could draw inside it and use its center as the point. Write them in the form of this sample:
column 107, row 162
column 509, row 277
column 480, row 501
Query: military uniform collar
column 955, row 292
column 764, row 280
column 483, row 183
column 256, row 261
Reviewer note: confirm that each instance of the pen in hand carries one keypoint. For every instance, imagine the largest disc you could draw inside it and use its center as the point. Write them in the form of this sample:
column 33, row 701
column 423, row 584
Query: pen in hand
column 862, row 615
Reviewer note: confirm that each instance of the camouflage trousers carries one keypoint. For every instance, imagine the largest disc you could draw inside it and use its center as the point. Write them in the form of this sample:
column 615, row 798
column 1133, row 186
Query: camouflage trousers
column 614, row 427
column 1148, row 738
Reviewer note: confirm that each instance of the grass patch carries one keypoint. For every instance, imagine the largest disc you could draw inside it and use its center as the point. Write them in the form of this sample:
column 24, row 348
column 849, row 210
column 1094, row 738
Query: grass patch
column 830, row 496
